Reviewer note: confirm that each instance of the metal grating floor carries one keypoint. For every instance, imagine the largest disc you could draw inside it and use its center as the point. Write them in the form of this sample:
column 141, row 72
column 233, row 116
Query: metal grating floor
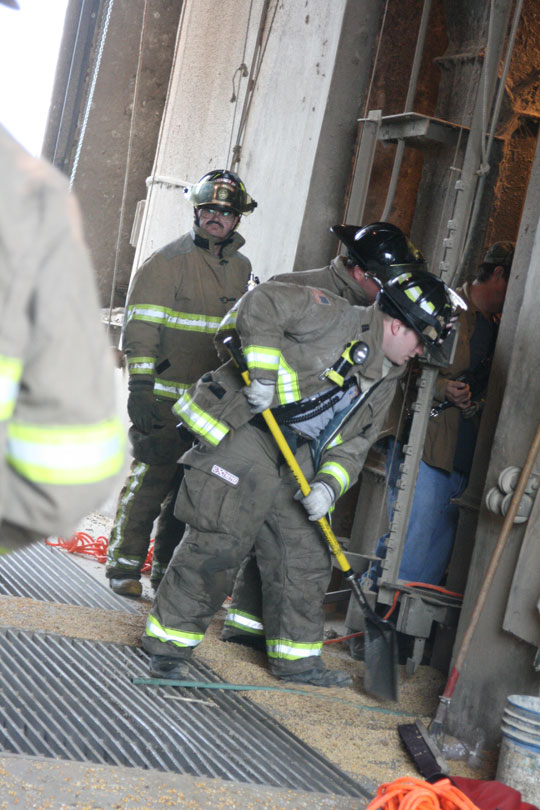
column 48, row 574
column 73, row 699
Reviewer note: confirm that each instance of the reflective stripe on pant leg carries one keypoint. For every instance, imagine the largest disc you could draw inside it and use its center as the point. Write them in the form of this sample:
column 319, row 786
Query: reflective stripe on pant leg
column 202, row 570
column 295, row 567
column 142, row 500
column 115, row 558
column 244, row 616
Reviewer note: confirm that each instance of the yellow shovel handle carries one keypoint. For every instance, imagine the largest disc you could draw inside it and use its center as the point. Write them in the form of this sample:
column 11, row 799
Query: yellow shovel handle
column 305, row 489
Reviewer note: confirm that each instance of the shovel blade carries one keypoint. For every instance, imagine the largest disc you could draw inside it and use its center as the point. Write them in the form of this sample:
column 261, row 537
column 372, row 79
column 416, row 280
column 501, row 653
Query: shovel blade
column 380, row 658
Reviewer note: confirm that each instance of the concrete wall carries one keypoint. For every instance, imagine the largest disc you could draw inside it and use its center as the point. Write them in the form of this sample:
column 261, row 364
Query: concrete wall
column 287, row 125
column 119, row 140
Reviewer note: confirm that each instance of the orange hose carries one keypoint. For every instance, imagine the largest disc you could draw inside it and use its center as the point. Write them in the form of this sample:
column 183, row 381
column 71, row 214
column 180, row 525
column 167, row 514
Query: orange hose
column 438, row 588
column 408, row 793
column 83, row 543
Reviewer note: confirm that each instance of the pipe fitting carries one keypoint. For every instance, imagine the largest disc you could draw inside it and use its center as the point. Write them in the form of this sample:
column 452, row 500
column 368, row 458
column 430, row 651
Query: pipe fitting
column 499, row 498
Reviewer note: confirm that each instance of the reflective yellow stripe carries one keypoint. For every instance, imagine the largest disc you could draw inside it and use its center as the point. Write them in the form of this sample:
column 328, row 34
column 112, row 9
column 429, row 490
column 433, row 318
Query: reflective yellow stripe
column 199, row 421
column 291, row 650
column 188, row 321
column 182, row 638
column 336, row 441
column 244, row 621
column 229, row 321
column 141, row 365
column 10, row 374
column 262, row 357
column 338, row 472
column 169, row 388
column 66, row 455
column 288, row 389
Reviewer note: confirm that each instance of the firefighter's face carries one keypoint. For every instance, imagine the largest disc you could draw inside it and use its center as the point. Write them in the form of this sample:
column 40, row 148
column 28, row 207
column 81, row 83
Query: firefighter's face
column 219, row 222
column 400, row 344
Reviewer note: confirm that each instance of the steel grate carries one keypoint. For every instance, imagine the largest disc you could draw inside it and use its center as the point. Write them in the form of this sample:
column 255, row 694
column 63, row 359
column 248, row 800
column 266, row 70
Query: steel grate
column 72, row 699
column 48, row 574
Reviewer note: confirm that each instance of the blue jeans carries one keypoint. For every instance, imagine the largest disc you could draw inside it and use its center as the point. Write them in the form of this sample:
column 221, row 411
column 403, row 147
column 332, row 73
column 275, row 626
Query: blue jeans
column 433, row 520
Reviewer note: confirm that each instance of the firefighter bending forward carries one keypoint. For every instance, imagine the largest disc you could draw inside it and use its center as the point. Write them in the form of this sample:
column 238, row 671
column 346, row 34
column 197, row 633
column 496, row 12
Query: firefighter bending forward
column 328, row 370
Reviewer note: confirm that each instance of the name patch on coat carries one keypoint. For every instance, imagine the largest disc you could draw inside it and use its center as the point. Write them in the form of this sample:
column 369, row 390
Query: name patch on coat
column 225, row 474
column 320, row 297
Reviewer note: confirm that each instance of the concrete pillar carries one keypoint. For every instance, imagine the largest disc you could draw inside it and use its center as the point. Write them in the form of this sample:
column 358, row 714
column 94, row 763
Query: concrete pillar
column 298, row 140
column 119, row 140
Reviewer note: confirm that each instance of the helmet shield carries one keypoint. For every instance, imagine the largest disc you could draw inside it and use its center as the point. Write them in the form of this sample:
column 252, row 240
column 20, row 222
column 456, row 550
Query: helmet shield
column 422, row 302
column 381, row 249
column 222, row 189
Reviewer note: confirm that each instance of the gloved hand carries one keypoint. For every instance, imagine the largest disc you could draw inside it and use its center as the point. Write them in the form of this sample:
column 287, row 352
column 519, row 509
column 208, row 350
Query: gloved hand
column 140, row 405
column 319, row 500
column 260, row 395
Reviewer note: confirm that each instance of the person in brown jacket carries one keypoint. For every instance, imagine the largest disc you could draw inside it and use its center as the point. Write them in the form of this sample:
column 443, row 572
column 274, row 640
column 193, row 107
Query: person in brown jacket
column 451, row 434
column 62, row 443
column 176, row 302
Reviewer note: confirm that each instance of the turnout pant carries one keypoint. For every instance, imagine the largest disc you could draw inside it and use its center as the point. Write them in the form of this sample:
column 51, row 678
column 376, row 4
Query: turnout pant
column 235, row 497
column 149, row 493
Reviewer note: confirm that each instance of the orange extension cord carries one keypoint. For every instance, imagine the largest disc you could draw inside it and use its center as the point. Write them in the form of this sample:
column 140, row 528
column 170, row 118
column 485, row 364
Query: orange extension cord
column 408, row 793
column 82, row 543
column 438, row 588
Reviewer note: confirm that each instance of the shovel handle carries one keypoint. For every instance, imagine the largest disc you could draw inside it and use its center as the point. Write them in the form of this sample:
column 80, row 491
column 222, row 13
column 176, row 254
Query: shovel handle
column 281, row 441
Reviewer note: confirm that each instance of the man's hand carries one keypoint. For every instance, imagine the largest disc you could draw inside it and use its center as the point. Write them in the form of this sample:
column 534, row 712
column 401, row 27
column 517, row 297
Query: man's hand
column 260, row 395
column 458, row 393
column 140, row 405
column 319, row 500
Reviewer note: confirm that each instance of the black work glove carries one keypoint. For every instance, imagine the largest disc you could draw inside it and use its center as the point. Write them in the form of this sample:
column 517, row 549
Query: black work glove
column 140, row 404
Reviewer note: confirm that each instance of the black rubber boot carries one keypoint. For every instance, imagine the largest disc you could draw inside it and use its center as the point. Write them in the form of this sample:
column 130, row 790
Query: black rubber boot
column 165, row 666
column 317, row 676
column 125, row 586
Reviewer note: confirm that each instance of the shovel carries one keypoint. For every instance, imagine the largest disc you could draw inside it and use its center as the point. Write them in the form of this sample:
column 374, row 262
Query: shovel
column 381, row 655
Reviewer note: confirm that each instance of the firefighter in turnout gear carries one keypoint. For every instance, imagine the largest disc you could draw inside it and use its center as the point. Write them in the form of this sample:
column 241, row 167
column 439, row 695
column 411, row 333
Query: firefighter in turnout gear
column 328, row 369
column 175, row 304
column 63, row 444
column 375, row 251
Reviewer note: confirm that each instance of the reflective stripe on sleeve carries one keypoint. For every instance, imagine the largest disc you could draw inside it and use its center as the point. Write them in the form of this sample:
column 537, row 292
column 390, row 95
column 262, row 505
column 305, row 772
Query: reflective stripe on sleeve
column 141, row 365
column 170, row 318
column 199, row 421
column 10, row 374
column 169, row 388
column 288, row 389
column 82, row 454
column 262, row 357
column 291, row 650
column 338, row 472
column 336, row 441
column 181, row 638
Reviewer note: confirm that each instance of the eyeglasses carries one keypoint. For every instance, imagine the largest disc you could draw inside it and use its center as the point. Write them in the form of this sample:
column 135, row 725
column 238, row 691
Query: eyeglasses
column 223, row 212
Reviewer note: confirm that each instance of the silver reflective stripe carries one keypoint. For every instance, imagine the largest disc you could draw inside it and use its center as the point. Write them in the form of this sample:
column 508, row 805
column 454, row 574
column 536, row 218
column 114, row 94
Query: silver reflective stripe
column 291, row 651
column 338, row 472
column 244, row 620
column 81, row 454
column 191, row 322
column 132, row 485
column 182, row 638
column 169, row 388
